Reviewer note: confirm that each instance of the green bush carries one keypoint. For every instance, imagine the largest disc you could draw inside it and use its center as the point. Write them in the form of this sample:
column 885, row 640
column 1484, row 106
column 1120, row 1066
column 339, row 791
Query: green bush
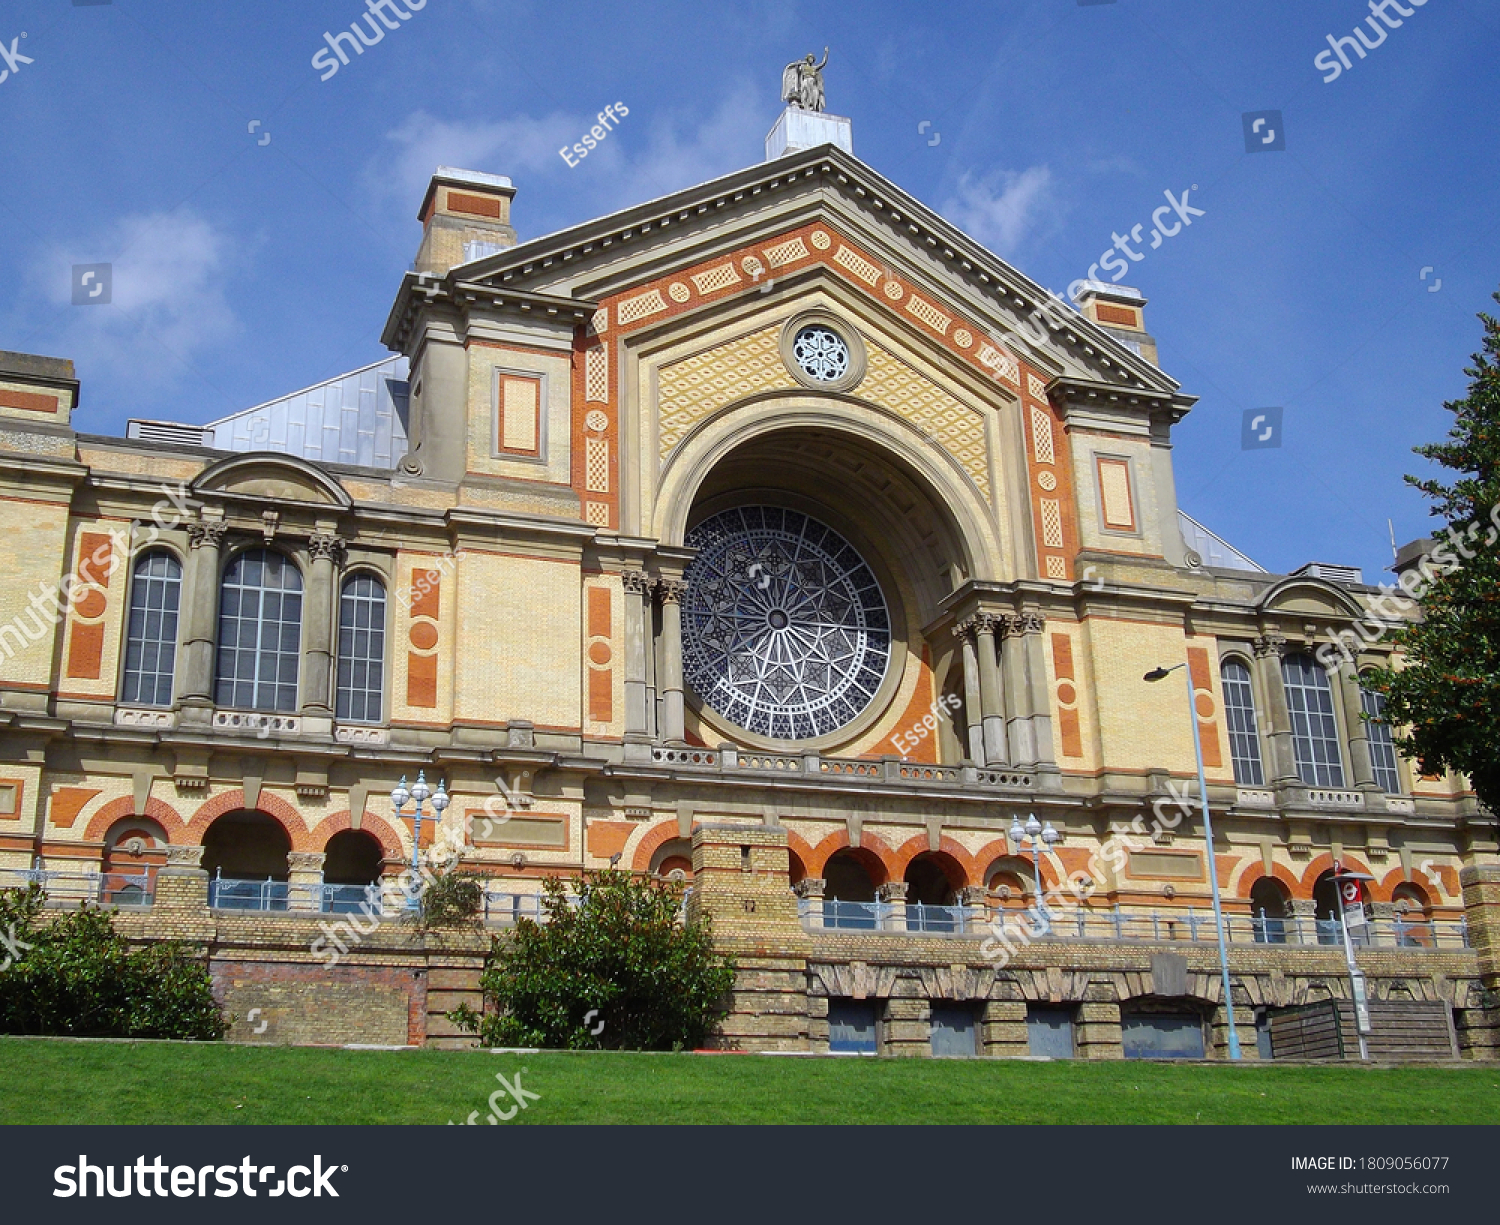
column 451, row 899
column 77, row 976
column 616, row 956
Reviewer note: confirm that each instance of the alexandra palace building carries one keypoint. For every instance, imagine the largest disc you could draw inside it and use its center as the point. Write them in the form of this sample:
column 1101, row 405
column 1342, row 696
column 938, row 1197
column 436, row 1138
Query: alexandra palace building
column 773, row 536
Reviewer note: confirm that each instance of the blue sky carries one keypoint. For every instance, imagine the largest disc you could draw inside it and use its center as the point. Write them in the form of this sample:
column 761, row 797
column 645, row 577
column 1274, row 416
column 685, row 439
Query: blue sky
column 244, row 270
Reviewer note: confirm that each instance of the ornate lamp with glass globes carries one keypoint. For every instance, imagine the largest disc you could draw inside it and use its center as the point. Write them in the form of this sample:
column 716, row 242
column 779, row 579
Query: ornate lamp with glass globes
column 1038, row 834
column 419, row 794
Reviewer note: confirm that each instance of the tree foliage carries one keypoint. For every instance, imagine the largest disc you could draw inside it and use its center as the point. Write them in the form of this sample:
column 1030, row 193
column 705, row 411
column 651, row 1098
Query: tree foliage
column 615, row 957
column 1447, row 694
column 72, row 974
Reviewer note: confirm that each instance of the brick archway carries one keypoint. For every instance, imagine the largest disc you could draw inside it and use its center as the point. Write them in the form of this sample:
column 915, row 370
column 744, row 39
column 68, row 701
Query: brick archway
column 956, row 862
column 876, row 855
column 799, row 848
column 656, row 837
column 1324, row 863
column 163, row 814
column 231, row 801
column 992, row 853
column 1250, row 871
column 381, row 831
column 1396, row 876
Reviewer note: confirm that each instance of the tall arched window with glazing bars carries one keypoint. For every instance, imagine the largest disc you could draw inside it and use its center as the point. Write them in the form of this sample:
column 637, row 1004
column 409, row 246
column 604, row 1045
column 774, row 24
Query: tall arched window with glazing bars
column 1315, row 730
column 1244, row 731
column 260, row 633
column 361, row 653
column 151, row 630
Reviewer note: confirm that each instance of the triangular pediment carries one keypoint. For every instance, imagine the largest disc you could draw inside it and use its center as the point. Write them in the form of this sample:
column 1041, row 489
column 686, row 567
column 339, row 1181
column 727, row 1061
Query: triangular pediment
column 744, row 232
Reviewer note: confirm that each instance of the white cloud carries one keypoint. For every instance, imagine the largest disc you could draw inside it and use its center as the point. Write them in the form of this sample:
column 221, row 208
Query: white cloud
column 644, row 156
column 167, row 295
column 1003, row 207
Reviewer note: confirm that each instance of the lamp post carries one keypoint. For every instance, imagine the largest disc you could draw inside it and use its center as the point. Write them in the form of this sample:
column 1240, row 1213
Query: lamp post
column 419, row 794
column 1356, row 976
column 1037, row 833
column 1157, row 674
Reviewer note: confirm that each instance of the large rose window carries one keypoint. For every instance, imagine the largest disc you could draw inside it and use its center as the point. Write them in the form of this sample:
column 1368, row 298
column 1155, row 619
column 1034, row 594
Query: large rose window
column 785, row 630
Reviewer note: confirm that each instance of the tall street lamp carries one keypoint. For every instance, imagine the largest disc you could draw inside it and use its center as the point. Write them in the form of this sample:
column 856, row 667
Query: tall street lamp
column 1157, row 674
column 1034, row 830
column 419, row 794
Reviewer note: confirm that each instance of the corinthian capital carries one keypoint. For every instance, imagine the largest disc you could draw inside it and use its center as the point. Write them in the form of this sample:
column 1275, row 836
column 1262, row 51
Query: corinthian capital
column 671, row 590
column 206, row 532
column 325, row 546
column 636, row 582
column 1269, row 643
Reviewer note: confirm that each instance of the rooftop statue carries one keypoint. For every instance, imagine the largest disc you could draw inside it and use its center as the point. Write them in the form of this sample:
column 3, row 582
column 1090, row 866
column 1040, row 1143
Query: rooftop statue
column 802, row 83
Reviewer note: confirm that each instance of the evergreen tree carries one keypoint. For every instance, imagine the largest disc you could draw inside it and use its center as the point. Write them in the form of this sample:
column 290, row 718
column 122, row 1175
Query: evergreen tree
column 1447, row 694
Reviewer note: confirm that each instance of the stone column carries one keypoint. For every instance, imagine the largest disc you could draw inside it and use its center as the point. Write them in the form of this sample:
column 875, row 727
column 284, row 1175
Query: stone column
column 305, row 876
column 196, row 679
column 673, row 727
column 812, row 888
column 1361, row 770
column 973, row 715
column 1269, row 649
column 894, row 892
column 1301, row 923
column 637, row 587
column 1018, row 730
column 317, row 627
column 1038, row 692
column 991, row 702
column 182, row 884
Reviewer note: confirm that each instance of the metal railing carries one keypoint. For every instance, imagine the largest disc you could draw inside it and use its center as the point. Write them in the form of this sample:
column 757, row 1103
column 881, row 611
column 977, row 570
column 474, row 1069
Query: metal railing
column 1119, row 926
column 106, row 888
column 888, row 916
column 506, row 909
column 272, row 896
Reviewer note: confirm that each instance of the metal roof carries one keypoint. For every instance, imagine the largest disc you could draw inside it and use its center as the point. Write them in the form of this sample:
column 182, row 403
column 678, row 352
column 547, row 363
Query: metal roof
column 356, row 418
column 1213, row 548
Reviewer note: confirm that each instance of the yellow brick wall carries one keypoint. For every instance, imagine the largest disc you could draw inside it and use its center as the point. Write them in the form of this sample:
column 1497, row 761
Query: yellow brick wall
column 1141, row 726
column 33, row 549
column 519, row 624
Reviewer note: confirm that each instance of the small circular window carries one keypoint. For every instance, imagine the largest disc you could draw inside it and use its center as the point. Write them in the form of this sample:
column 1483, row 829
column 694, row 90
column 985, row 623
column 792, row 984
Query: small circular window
column 821, row 353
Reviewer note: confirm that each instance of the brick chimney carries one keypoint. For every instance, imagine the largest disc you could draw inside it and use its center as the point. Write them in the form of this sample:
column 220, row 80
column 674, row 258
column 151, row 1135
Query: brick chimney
column 1120, row 311
column 41, row 391
column 465, row 216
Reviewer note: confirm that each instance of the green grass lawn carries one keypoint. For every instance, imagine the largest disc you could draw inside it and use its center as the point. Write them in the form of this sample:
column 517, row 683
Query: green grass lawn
column 46, row 1080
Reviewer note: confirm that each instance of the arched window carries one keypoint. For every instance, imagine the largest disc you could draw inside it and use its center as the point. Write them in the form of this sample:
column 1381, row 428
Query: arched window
column 260, row 632
column 1413, row 915
column 1270, row 907
column 1244, row 733
column 1315, row 732
column 151, row 630
column 361, row 669
column 1382, row 746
